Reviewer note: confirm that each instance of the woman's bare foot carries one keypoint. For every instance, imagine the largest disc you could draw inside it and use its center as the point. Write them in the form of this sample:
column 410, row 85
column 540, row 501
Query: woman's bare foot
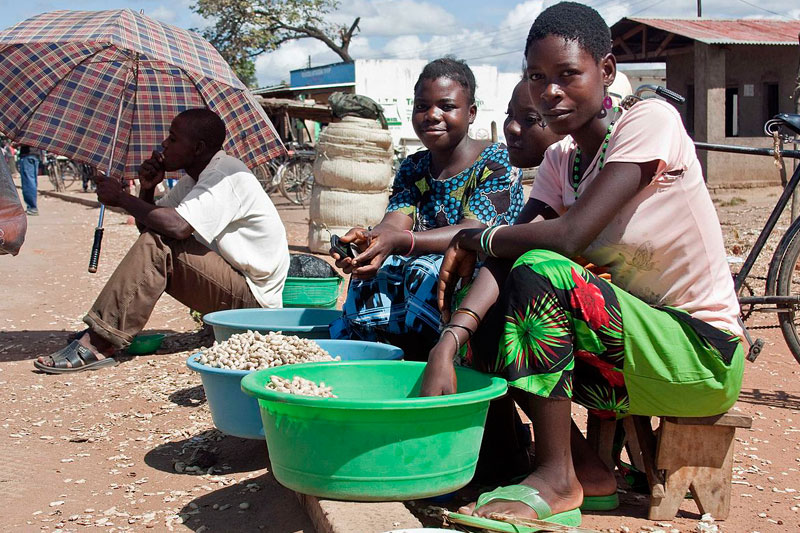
column 561, row 495
column 595, row 477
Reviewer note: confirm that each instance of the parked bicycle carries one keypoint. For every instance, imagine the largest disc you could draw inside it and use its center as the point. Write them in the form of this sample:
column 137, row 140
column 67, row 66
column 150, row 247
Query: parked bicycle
column 781, row 292
column 291, row 175
column 61, row 171
column 296, row 175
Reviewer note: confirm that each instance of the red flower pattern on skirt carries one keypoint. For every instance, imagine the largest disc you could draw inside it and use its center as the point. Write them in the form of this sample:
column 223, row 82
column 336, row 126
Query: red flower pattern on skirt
column 609, row 372
column 588, row 299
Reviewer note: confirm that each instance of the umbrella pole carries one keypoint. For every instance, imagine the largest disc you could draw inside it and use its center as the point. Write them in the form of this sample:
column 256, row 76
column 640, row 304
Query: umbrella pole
column 98, row 231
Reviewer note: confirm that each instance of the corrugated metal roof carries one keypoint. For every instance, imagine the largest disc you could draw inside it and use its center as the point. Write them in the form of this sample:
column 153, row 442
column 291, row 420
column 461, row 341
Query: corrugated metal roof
column 729, row 31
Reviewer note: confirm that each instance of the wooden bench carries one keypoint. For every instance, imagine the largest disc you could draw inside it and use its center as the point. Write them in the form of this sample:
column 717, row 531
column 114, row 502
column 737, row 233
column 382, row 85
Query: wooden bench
column 694, row 454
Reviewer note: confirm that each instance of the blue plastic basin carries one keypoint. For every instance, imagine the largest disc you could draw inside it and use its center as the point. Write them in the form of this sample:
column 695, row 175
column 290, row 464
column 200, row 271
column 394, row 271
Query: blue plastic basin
column 237, row 414
column 304, row 322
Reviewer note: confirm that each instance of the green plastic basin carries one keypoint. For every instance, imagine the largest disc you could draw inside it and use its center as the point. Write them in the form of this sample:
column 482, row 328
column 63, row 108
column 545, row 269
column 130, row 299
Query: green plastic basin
column 145, row 344
column 377, row 441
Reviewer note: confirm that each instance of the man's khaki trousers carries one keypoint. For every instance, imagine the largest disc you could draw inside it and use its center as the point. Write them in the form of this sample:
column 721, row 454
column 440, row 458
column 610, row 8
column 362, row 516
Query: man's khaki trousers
column 185, row 269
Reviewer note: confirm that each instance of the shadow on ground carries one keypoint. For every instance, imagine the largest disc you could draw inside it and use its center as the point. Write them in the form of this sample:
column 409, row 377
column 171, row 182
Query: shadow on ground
column 771, row 398
column 295, row 248
column 226, row 454
column 190, row 397
column 26, row 344
column 30, row 344
column 257, row 504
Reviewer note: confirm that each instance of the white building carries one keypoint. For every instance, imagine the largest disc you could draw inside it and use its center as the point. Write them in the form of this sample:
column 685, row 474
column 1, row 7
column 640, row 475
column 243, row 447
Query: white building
column 390, row 82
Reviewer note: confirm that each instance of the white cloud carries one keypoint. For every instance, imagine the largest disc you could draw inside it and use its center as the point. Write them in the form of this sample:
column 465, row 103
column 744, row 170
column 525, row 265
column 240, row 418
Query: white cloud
column 401, row 46
column 389, row 17
column 192, row 19
column 274, row 67
column 522, row 14
column 416, row 29
column 162, row 13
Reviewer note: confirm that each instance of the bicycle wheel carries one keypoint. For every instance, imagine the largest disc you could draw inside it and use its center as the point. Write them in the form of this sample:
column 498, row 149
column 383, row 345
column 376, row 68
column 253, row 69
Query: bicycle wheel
column 265, row 174
column 69, row 172
column 54, row 176
column 789, row 285
column 297, row 177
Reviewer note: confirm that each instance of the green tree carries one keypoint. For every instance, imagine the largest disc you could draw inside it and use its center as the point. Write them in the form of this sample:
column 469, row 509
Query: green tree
column 244, row 29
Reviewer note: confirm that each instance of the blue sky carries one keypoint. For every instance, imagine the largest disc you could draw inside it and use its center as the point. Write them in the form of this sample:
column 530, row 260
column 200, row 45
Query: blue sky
column 481, row 31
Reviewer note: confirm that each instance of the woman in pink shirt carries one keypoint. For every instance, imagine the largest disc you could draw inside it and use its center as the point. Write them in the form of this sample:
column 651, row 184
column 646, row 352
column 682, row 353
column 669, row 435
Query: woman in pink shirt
column 625, row 190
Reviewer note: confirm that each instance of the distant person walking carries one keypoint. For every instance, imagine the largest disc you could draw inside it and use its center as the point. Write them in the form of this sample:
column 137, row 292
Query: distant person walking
column 28, row 172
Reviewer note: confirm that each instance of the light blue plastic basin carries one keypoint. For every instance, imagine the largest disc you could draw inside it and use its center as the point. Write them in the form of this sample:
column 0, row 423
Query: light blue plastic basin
column 304, row 322
column 237, row 414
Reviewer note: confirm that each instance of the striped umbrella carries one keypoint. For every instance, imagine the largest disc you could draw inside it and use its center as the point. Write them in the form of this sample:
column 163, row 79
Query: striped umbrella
column 101, row 87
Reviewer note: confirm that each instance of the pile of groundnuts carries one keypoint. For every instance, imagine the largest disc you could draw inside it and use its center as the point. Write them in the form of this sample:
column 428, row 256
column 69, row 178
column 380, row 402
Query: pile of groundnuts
column 300, row 386
column 254, row 351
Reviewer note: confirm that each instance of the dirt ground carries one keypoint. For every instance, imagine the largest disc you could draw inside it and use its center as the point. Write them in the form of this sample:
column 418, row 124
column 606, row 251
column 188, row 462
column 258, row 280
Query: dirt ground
column 98, row 449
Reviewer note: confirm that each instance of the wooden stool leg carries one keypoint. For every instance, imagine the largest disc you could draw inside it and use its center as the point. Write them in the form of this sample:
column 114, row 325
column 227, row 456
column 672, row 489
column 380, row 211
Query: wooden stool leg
column 639, row 430
column 711, row 487
column 698, row 458
column 633, row 444
column 674, row 491
column 600, row 436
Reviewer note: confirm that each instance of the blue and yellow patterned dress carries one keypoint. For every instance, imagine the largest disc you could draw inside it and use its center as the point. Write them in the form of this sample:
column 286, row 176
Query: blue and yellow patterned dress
column 401, row 298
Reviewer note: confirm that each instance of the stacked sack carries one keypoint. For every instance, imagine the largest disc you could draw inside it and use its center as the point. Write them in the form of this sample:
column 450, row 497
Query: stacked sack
column 352, row 179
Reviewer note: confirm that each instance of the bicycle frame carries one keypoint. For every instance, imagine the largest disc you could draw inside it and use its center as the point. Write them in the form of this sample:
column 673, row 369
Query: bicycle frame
column 772, row 221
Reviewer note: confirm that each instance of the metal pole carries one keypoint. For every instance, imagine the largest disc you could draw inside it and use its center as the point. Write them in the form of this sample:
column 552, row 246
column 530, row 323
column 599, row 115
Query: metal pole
column 94, row 257
column 796, row 97
column 699, row 8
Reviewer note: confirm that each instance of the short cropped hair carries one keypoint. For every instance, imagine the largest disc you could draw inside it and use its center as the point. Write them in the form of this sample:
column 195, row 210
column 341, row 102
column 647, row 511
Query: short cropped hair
column 452, row 68
column 573, row 22
column 206, row 126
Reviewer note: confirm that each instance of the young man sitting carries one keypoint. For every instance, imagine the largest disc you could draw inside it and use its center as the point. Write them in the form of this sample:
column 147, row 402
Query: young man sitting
column 214, row 242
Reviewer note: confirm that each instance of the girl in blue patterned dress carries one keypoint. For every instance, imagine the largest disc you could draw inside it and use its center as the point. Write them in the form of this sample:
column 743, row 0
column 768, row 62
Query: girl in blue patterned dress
column 457, row 183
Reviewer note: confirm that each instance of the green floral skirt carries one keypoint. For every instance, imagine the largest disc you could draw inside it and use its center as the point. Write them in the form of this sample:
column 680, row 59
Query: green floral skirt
column 559, row 331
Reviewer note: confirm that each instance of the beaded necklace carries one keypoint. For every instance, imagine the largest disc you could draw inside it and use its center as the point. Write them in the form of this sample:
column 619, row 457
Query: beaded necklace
column 576, row 167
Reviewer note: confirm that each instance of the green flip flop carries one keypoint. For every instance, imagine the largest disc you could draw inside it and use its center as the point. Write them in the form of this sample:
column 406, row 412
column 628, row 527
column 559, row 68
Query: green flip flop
column 517, row 493
column 600, row 503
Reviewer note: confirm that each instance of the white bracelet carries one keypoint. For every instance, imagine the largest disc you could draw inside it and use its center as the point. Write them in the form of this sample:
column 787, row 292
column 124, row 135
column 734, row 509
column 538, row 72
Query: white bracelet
column 489, row 240
column 453, row 333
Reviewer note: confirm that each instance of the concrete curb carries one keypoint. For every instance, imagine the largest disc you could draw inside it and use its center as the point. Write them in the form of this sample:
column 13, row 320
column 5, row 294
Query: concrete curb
column 330, row 516
column 75, row 199
column 69, row 198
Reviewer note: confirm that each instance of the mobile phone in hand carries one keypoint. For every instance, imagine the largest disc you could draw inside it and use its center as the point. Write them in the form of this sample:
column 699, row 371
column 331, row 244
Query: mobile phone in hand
column 344, row 250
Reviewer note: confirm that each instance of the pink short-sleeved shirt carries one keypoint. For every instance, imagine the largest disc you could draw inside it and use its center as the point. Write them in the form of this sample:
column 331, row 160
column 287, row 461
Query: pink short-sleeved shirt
column 665, row 245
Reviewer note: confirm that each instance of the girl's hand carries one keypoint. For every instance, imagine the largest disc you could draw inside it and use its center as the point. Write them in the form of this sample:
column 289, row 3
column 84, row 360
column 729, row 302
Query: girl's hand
column 458, row 265
column 357, row 236
column 439, row 377
column 383, row 241
column 599, row 271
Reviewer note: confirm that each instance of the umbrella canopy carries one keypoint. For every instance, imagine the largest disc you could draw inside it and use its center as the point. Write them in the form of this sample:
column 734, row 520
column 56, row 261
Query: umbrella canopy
column 72, row 81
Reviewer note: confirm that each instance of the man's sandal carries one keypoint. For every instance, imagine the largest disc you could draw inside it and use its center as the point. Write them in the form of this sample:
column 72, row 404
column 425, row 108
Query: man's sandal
column 77, row 335
column 517, row 493
column 78, row 356
column 600, row 503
